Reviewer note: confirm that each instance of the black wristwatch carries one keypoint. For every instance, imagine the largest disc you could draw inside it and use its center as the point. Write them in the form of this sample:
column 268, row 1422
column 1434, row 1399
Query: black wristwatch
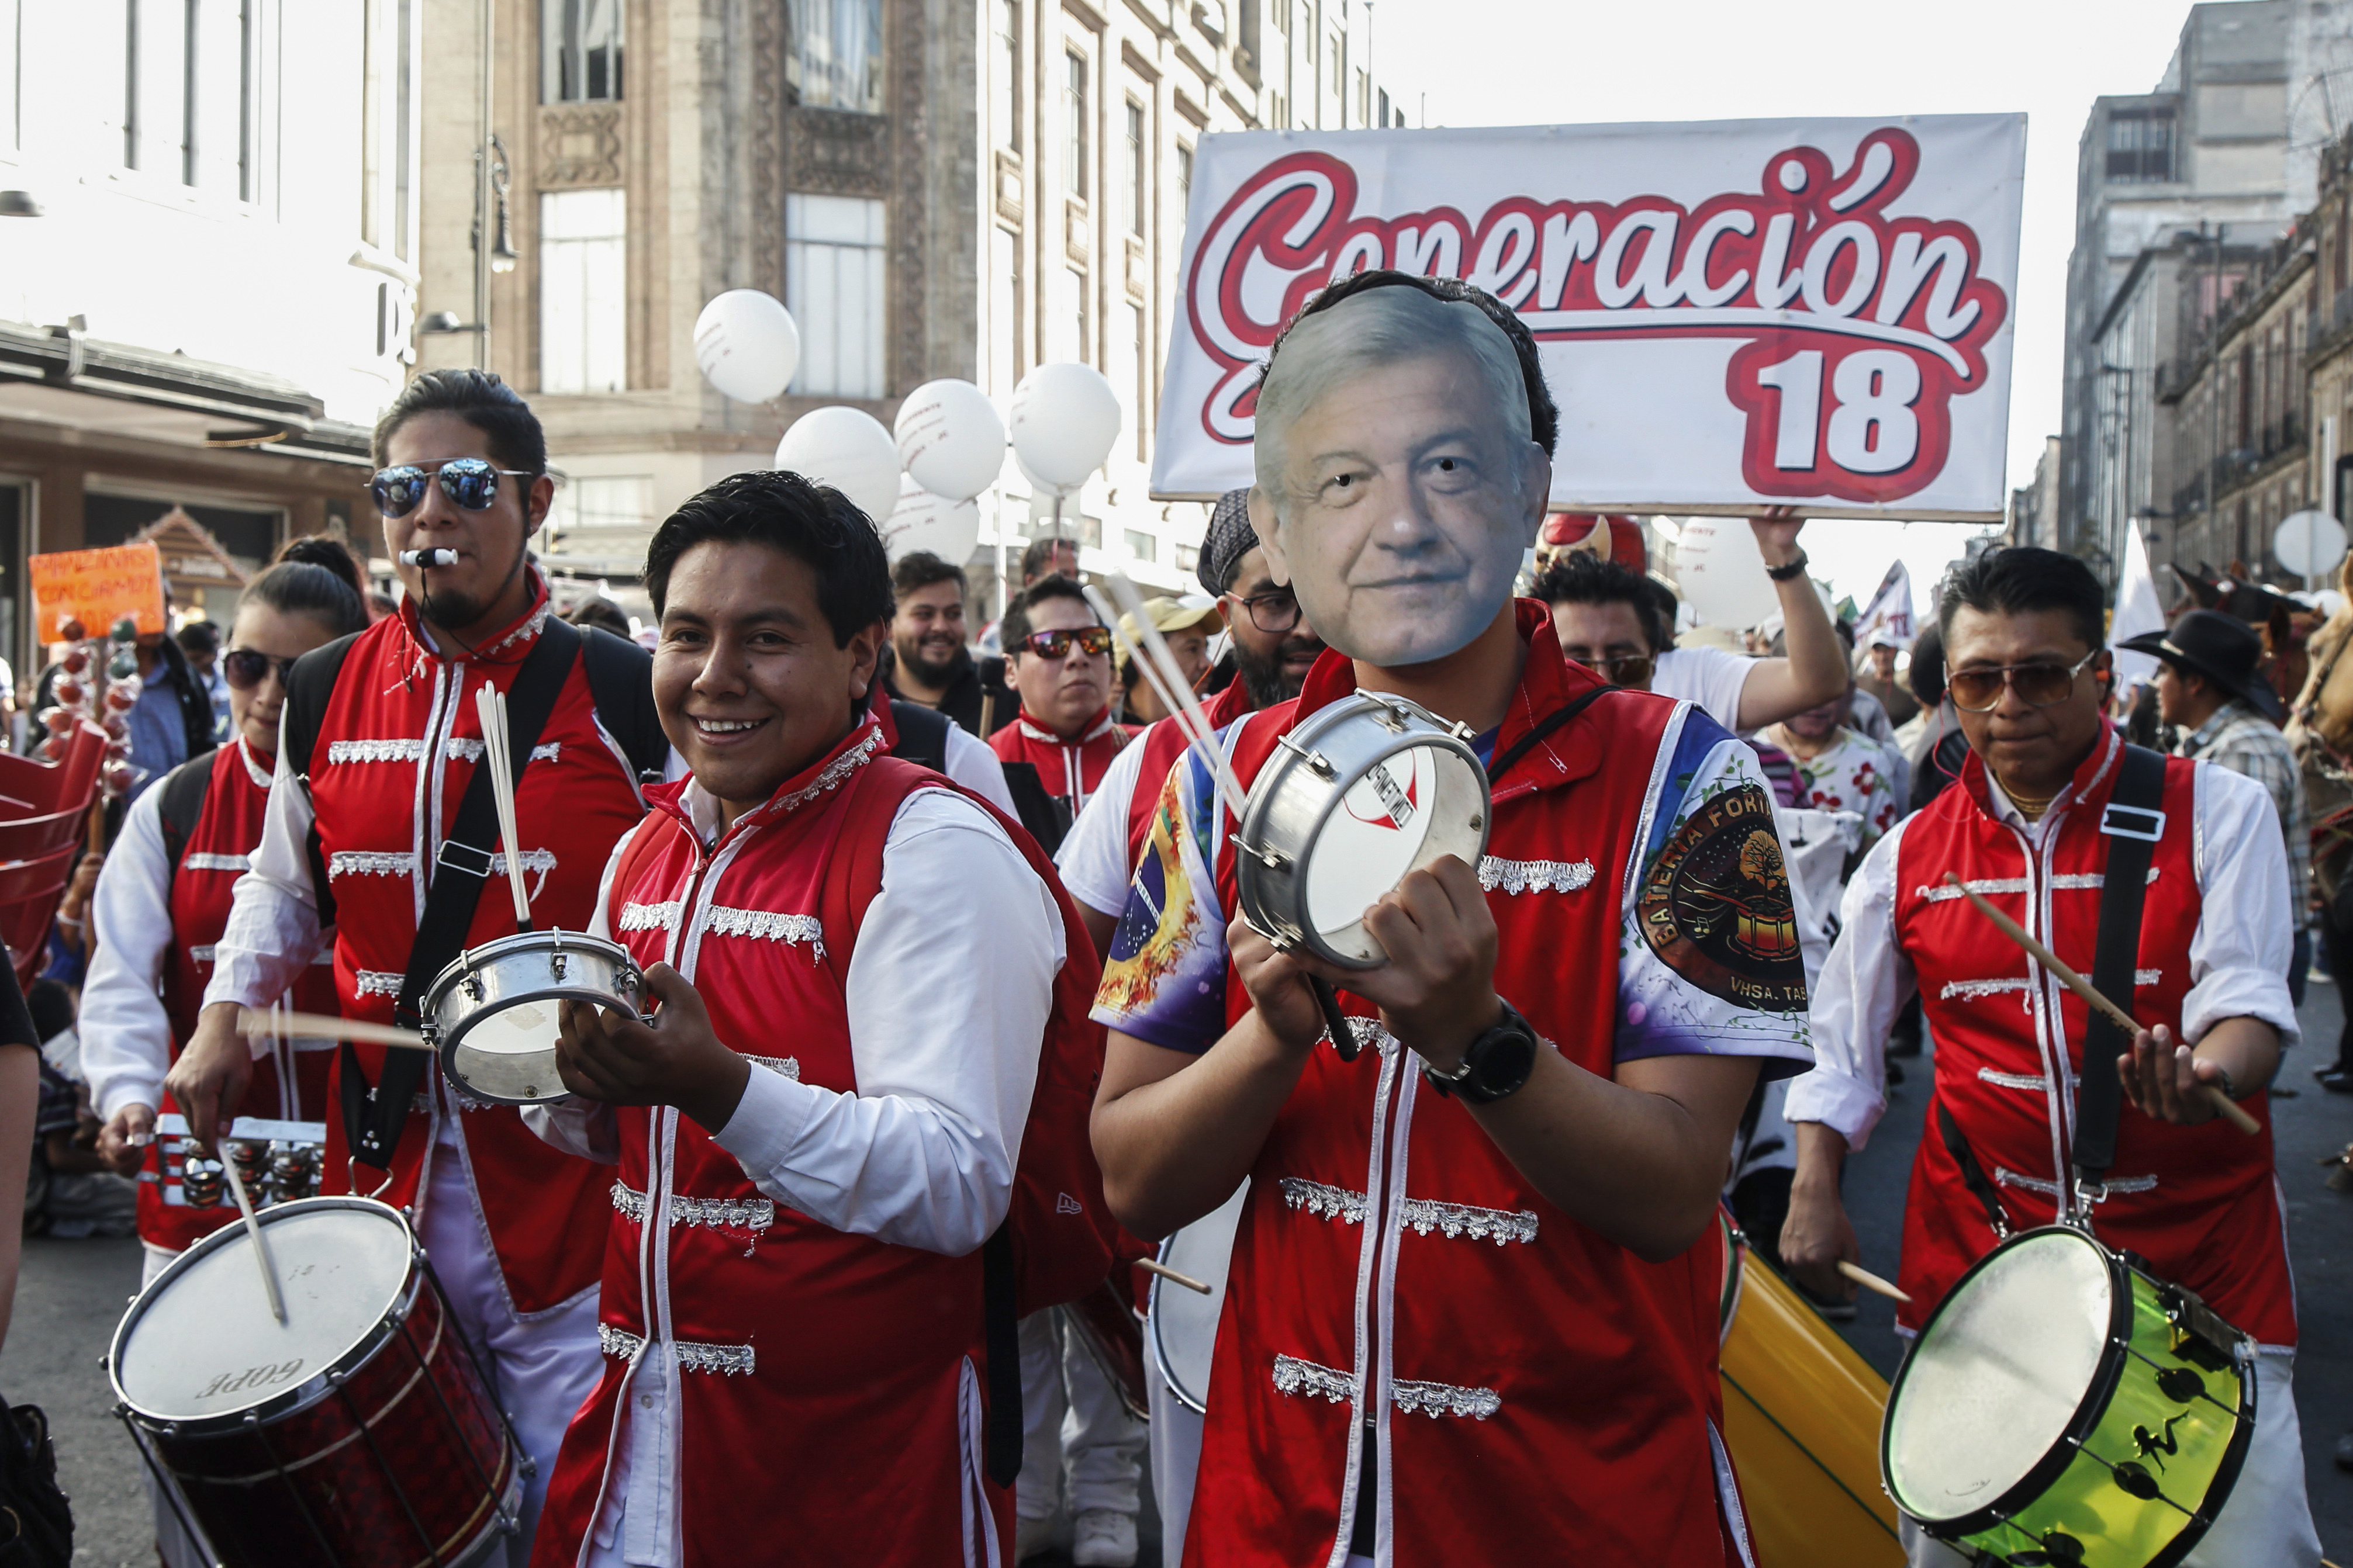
column 1793, row 569
column 1494, row 1066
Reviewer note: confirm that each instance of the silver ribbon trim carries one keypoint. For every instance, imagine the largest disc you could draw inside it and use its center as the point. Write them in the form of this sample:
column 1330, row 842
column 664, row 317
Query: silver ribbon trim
column 2010, row 1178
column 378, row 983
column 650, row 916
column 790, row 1067
column 754, row 1215
column 1294, row 1376
column 1533, row 876
column 209, row 862
column 769, row 925
column 1421, row 1215
column 727, row 1360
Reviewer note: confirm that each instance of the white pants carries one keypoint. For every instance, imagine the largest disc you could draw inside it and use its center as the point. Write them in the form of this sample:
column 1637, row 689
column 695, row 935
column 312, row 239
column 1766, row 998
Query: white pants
column 2266, row 1518
column 545, row 1365
column 1071, row 1413
column 1175, row 1460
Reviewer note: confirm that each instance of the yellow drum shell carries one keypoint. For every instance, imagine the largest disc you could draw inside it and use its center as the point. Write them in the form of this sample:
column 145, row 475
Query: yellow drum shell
column 1802, row 1415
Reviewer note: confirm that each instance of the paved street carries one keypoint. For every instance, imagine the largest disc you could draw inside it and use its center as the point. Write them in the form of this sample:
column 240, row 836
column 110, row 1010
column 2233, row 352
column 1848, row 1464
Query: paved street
column 72, row 1291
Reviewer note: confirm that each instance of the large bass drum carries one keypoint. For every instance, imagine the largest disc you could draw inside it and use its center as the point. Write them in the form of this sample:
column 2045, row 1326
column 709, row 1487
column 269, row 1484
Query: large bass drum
column 1362, row 793
column 357, row 1434
column 1801, row 1418
column 2063, row 1406
column 1183, row 1323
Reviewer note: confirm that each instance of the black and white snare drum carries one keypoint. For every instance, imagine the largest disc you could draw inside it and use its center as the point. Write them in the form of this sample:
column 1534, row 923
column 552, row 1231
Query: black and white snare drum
column 1361, row 794
column 491, row 1014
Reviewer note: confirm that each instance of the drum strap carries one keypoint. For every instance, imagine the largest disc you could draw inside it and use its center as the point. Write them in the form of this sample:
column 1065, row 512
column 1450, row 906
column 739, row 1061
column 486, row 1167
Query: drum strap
column 374, row 1115
column 2133, row 823
column 1544, row 727
column 1973, row 1174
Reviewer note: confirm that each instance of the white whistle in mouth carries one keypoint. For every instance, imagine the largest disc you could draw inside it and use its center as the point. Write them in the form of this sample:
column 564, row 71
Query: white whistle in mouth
column 429, row 558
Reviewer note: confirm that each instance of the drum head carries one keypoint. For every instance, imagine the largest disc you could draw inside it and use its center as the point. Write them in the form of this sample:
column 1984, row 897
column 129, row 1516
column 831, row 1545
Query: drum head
column 1183, row 1323
column 1997, row 1375
column 510, row 1054
column 200, row 1343
column 1414, row 805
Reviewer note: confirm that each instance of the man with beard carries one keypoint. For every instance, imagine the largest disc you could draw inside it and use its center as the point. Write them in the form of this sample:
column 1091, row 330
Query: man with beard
column 931, row 665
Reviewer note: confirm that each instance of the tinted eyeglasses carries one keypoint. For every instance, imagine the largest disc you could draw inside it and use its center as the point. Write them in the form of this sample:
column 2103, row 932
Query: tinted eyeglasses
column 1626, row 669
column 2037, row 685
column 471, row 482
column 1275, row 612
column 1055, row 645
column 246, row 669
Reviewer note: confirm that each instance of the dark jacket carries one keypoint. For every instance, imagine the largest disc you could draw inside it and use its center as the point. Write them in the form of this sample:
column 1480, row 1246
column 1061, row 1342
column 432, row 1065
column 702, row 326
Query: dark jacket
column 976, row 682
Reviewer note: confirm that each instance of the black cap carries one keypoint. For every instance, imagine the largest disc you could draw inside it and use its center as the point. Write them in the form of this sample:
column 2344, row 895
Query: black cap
column 2223, row 649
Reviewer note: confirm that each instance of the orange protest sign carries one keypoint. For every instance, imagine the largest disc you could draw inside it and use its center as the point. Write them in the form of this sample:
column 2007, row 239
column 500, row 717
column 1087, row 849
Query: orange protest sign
column 98, row 587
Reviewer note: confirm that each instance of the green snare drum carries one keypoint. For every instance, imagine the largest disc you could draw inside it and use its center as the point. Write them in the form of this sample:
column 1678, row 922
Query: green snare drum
column 2063, row 1407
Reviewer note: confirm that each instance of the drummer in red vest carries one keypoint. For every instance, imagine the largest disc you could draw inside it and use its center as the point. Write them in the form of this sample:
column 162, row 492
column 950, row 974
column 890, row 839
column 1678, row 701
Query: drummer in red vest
column 1473, row 1302
column 821, row 1126
column 363, row 836
column 159, row 909
column 1057, row 654
column 2029, row 827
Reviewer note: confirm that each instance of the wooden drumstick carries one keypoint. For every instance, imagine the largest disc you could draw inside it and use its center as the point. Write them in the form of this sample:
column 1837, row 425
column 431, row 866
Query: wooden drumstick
column 491, row 705
column 2231, row 1110
column 1873, row 1282
column 1186, row 1281
column 254, row 1021
column 253, row 1234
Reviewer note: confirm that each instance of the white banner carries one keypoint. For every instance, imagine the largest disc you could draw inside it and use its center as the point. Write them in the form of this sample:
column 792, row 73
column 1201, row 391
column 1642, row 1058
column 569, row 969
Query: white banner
column 1811, row 312
column 1888, row 617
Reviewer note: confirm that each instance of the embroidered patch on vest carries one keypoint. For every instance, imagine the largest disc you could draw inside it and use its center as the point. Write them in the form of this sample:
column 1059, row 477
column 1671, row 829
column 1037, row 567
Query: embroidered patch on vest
column 650, row 916
column 692, row 1356
column 1715, row 904
column 209, row 862
column 1533, row 876
column 1292, row 1376
column 378, row 983
column 769, row 925
column 1436, row 1399
column 754, row 1215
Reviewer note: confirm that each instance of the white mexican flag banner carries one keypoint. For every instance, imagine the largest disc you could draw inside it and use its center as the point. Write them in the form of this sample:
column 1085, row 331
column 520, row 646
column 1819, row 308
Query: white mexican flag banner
column 1737, row 312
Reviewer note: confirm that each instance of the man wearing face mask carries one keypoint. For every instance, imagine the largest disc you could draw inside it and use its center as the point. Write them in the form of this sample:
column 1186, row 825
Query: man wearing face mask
column 1507, row 1351
column 377, row 836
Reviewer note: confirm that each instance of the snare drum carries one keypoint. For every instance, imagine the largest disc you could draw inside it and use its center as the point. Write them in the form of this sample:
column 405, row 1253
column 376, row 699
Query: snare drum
column 2063, row 1406
column 491, row 1013
column 1802, row 1414
column 356, row 1435
column 1183, row 1324
column 1362, row 793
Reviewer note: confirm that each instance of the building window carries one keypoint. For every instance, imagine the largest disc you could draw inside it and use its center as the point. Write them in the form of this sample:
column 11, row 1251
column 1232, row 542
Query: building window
column 580, row 50
column 1009, row 74
column 836, row 60
column 1074, row 122
column 1004, row 311
column 1188, row 557
column 189, row 90
column 1278, row 112
column 1082, row 346
column 834, row 286
column 1363, row 100
column 1142, row 546
column 1337, row 53
column 1184, row 182
column 387, row 202
column 603, row 514
column 1383, row 121
column 1140, row 351
column 2140, row 146
column 583, row 313
column 1139, row 187
column 1278, row 12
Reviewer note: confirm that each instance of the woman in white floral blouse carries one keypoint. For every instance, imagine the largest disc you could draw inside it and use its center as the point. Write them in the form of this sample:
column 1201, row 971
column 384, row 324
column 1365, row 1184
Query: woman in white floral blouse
column 1838, row 769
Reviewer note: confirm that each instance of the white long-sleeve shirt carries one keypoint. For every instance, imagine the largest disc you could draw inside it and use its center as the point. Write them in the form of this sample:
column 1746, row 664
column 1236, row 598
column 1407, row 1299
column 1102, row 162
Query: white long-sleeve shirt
column 947, row 993
column 273, row 924
column 2238, row 955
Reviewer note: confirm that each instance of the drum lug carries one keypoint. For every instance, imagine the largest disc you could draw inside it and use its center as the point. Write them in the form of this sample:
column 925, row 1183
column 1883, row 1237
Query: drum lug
column 556, row 963
column 1317, row 763
column 473, row 983
column 1392, row 718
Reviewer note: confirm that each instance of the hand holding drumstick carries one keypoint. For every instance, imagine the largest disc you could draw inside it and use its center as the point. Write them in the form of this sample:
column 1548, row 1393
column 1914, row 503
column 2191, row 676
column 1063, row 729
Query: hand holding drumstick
column 2159, row 1075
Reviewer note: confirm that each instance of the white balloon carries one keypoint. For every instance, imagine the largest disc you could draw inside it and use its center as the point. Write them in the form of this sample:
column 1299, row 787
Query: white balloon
column 2309, row 543
column 1722, row 572
column 747, row 345
column 1043, row 487
column 922, row 521
column 1065, row 420
column 848, row 449
column 950, row 438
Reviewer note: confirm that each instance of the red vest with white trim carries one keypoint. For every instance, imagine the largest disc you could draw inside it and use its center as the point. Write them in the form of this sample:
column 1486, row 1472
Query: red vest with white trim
column 810, row 1358
column 219, row 850
column 1549, row 1394
column 1068, row 769
column 2199, row 1203
column 397, row 746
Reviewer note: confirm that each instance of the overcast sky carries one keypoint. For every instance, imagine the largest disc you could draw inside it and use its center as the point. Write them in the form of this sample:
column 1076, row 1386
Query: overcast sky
column 1510, row 62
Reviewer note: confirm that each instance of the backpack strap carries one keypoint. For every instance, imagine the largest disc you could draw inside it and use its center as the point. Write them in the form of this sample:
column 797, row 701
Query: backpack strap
column 2133, row 823
column 621, row 687
column 923, row 734
column 309, row 685
column 181, row 801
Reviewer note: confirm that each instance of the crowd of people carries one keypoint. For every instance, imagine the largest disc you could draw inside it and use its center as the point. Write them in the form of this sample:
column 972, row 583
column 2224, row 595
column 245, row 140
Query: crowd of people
column 951, row 994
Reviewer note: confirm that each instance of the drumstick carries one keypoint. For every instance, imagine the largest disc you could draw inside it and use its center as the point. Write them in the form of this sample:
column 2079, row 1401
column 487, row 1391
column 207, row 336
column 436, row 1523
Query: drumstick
column 1153, row 643
column 1873, row 1282
column 2231, row 1110
column 253, row 1232
column 1151, row 671
column 1198, row 737
column 254, row 1021
column 1186, row 1281
column 491, row 704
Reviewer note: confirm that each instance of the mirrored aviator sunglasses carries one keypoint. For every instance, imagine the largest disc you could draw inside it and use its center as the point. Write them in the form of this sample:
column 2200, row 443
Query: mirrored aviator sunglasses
column 472, row 483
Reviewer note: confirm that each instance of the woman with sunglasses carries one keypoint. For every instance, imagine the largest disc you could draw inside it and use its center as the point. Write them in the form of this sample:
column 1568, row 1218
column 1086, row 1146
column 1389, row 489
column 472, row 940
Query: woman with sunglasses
column 160, row 905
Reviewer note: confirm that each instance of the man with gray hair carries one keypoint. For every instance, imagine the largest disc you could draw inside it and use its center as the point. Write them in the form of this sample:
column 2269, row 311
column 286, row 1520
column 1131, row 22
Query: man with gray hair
column 1508, row 1351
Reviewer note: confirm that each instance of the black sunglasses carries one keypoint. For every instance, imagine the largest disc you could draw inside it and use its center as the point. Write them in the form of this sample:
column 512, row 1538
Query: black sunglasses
column 470, row 483
column 1054, row 645
column 246, row 669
